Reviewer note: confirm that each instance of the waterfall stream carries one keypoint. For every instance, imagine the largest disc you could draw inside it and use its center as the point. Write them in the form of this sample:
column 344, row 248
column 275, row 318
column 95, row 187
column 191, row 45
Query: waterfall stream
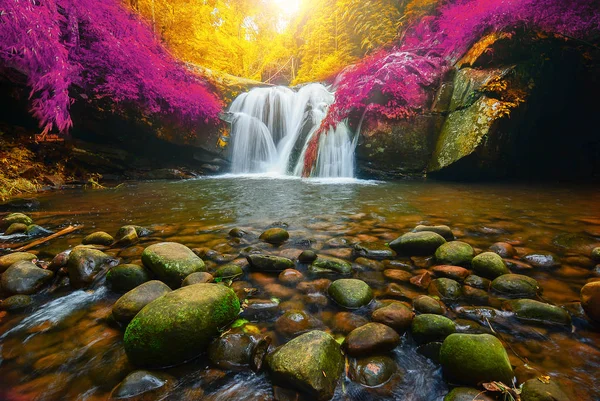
column 271, row 128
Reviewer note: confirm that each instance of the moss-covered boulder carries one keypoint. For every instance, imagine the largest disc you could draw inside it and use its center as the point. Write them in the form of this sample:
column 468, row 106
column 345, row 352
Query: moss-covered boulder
column 422, row 243
column 515, row 286
column 372, row 338
column 134, row 301
column 455, row 253
column 442, row 230
column 489, row 265
column 171, row 262
column 373, row 250
column 198, row 278
column 16, row 228
column 325, row 265
column 350, row 293
column 428, row 328
column 477, row 282
column 269, row 263
column 98, row 238
column 85, row 264
column 475, row 358
column 536, row 390
column 590, row 300
column 539, row 312
column 467, row 394
column 372, row 371
column 311, row 363
column 179, row 325
column 445, row 288
column 275, row 236
column 396, row 315
column 7, row 260
column 125, row 277
column 16, row 218
column 24, row 277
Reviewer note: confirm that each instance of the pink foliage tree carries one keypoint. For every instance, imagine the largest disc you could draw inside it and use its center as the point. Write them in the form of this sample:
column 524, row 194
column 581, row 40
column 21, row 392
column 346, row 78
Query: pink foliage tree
column 99, row 50
column 398, row 83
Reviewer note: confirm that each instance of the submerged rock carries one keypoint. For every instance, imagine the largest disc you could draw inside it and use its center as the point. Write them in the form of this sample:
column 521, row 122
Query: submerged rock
column 294, row 322
column 515, row 286
column 539, row 312
column 228, row 272
column 329, row 265
column 231, row 351
column 445, row 288
column 172, row 262
column 590, row 300
column 489, row 265
column 431, row 328
column 372, row 250
column 133, row 301
column 142, row 385
column 126, row 236
column 475, row 358
column 179, row 325
column 455, row 253
column 98, row 238
column 422, row 243
column 85, row 264
column 350, row 293
column 34, row 230
column 542, row 260
column 269, row 263
column 307, row 256
column 11, row 258
column 372, row 338
column 504, row 250
column 345, row 322
column 16, row 303
column 372, row 371
column 126, row 277
column 275, row 236
column 311, row 363
column 24, row 277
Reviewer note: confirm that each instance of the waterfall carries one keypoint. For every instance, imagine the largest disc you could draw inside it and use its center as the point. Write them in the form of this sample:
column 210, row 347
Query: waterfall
column 271, row 128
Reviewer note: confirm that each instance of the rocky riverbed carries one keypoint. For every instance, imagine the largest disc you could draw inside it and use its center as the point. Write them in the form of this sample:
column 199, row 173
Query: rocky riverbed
column 411, row 306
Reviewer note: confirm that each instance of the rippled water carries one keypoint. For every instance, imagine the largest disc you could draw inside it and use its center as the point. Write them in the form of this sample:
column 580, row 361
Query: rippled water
column 67, row 348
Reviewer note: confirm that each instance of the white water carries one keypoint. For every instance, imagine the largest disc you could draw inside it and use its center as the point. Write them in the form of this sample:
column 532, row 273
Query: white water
column 271, row 128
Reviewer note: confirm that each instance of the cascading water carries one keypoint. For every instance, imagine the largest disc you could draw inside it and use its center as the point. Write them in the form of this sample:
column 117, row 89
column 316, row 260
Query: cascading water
column 271, row 129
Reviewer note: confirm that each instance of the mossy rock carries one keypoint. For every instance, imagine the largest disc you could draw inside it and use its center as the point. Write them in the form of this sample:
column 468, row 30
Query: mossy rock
column 275, row 236
column 373, row 250
column 198, row 278
column 539, row 312
column 325, row 265
column 11, row 258
column 98, row 238
column 456, row 253
column 85, row 264
column 126, row 277
column 445, row 288
column 428, row 328
column 477, row 282
column 269, row 263
column 24, row 277
column 126, row 236
column 372, row 371
column 311, row 363
column 179, row 325
column 16, row 218
column 489, row 265
column 134, row 301
column 16, row 303
column 467, row 394
column 228, row 272
column 596, row 254
column 536, row 390
column 423, row 243
column 442, row 230
column 350, row 293
column 515, row 286
column 172, row 262
column 475, row 358
column 16, row 228
column 426, row 304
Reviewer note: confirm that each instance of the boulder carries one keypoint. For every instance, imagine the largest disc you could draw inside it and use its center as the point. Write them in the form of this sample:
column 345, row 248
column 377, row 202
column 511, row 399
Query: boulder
column 123, row 278
column 228, row 272
column 85, row 264
column 24, row 277
column 426, row 304
column 231, row 351
column 504, row 250
column 275, row 236
column 16, row 303
column 307, row 256
column 345, row 322
column 372, row 371
column 371, row 250
column 396, row 315
column 133, row 301
column 16, row 218
column 290, row 277
column 515, row 286
column 489, row 265
column 98, row 238
column 372, row 338
column 428, row 328
column 311, row 363
column 454, row 272
column 475, row 358
column 590, row 300
column 422, row 243
column 11, row 258
column 141, row 385
column 350, row 293
column 477, row 282
column 126, row 236
column 294, row 322
column 197, row 278
column 325, row 265
column 179, row 325
column 269, row 263
column 171, row 262
column 455, row 253
column 442, row 230
column 539, row 312
column 445, row 288
column 16, row 228
column 536, row 390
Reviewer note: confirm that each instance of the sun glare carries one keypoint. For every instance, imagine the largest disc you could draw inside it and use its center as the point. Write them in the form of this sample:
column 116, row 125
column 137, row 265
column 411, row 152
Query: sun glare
column 288, row 7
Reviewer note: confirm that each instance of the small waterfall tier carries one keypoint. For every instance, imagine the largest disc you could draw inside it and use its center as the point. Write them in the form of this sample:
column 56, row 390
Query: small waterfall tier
column 271, row 129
